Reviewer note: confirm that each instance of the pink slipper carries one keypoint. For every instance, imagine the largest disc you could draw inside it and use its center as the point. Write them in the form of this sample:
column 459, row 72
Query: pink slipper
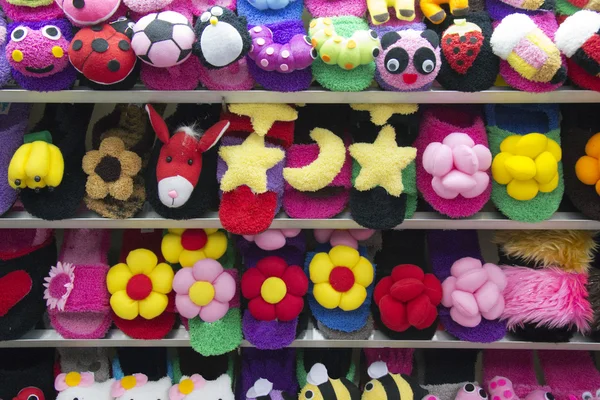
column 76, row 295
column 336, row 8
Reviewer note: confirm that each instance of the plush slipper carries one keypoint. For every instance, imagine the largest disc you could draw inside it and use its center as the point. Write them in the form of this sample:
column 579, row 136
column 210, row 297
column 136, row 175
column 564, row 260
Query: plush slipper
column 25, row 259
column 76, row 295
column 570, row 7
column 318, row 380
column 276, row 122
column 527, row 171
column 394, row 384
column 184, row 247
column 175, row 188
column 122, row 141
column 340, row 289
column 197, row 386
column 339, row 363
column 449, row 372
column 235, row 76
column 453, row 161
column 346, row 50
column 5, row 71
column 47, row 168
column 27, row 372
column 386, row 14
column 37, row 52
column 262, row 12
column 335, row 8
column 94, row 360
column 278, row 366
column 498, row 9
column 281, row 56
column 81, row 385
column 153, row 362
column 384, row 189
column 530, row 61
column 472, row 298
column 433, row 11
column 468, row 63
column 92, row 13
column 141, row 287
column 289, row 244
column 398, row 361
column 136, row 385
column 23, row 10
column 570, row 374
column 409, row 60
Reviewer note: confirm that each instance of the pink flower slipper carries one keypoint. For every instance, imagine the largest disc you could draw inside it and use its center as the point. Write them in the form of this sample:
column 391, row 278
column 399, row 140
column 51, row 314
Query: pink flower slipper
column 343, row 237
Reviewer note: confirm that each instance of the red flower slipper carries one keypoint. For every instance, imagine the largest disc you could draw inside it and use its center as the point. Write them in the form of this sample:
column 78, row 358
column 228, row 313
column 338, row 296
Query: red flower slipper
column 408, row 298
column 275, row 290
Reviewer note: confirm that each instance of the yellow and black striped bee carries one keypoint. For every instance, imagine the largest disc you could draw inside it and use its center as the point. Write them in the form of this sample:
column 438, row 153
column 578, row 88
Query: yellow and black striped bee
column 386, row 386
column 320, row 386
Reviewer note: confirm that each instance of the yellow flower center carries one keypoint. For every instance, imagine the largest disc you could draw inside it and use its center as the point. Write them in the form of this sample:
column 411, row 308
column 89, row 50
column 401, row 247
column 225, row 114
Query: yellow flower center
column 186, row 386
column 128, row 382
column 72, row 379
column 202, row 293
column 273, row 290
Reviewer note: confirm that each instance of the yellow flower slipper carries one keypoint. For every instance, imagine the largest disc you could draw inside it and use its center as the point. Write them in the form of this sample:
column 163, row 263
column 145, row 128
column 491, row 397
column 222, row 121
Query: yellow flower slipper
column 139, row 286
column 186, row 246
column 340, row 278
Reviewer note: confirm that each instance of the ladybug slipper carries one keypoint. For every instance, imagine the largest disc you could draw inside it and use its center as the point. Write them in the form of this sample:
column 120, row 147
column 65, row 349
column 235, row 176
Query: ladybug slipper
column 527, row 171
column 27, row 373
column 25, row 259
column 450, row 374
column 530, row 61
column 468, row 63
column 181, row 174
column 263, row 12
column 453, row 161
column 46, row 169
column 37, row 53
column 91, row 12
column 122, row 140
column 35, row 10
column 570, row 374
column 289, row 244
column 472, row 291
column 277, row 366
column 76, row 295
column 141, row 287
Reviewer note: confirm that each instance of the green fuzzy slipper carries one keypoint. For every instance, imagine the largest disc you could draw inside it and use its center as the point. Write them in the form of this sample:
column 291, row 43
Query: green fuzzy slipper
column 219, row 337
column 346, row 48
column 527, row 171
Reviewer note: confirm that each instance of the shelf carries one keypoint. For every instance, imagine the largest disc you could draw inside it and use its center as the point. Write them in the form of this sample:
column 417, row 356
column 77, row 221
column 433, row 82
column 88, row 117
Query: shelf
column 421, row 220
column 310, row 338
column 313, row 95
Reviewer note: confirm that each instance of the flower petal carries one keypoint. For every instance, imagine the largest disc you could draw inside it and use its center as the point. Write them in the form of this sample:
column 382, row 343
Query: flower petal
column 344, row 256
column 117, row 278
column 177, row 231
column 252, row 281
column 353, row 298
column 141, row 261
column 124, row 306
column 363, row 272
column 112, row 146
column 295, row 281
column 186, row 307
column 188, row 258
column 393, row 314
column 122, row 188
column 162, row 278
column 171, row 247
column 214, row 311
column 320, row 267
column 261, row 310
column 382, row 289
column 326, row 295
column 289, row 307
column 207, row 270
column 90, row 161
column 210, row 231
column 183, row 281
column 216, row 245
column 131, row 163
column 224, row 287
column 153, row 305
column 272, row 266
column 95, row 187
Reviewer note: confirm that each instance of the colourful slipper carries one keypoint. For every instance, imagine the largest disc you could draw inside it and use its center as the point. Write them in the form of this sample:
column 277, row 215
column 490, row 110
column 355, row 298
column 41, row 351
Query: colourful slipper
column 182, row 248
column 25, row 259
column 318, row 379
column 232, row 77
column 180, row 178
column 530, row 61
column 289, row 244
column 76, row 384
column 472, row 301
column 138, row 384
column 527, row 171
column 468, row 62
column 76, row 295
column 393, row 14
column 92, row 13
column 46, row 169
column 278, row 366
column 263, row 12
column 448, row 372
column 94, row 360
column 570, row 7
column 577, row 37
column 250, row 166
column 27, row 372
column 37, row 10
column 196, row 386
column 141, row 287
column 346, row 50
column 281, row 56
column 453, row 161
column 5, row 71
column 433, row 11
column 498, row 9
column 335, row 8
column 570, row 374
column 339, row 363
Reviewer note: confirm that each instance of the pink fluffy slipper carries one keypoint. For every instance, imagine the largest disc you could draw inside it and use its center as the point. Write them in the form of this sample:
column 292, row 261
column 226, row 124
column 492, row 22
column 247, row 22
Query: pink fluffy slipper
column 453, row 161
column 336, row 8
column 76, row 295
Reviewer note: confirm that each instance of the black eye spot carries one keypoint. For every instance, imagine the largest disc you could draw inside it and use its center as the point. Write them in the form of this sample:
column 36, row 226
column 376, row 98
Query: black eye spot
column 169, row 159
column 309, row 394
column 375, row 52
column 75, row 398
column 469, row 387
column 190, row 162
column 79, row 4
column 18, row 182
column 18, row 34
column 396, row 60
column 482, row 394
column 373, row 34
column 369, row 386
column 424, row 60
column 313, row 53
column 52, row 31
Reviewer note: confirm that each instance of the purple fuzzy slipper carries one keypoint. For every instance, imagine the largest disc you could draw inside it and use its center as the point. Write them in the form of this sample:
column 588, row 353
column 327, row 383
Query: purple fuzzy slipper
column 278, row 366
column 498, row 9
column 455, row 256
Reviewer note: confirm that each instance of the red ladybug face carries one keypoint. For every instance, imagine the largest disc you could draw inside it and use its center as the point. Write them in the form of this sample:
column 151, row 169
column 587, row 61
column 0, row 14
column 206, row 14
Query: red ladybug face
column 102, row 54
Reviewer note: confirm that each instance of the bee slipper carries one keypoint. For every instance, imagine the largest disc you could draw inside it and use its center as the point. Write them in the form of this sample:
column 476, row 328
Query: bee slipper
column 346, row 50
column 277, row 366
column 453, row 161
column 25, row 259
column 449, row 372
column 46, row 169
column 180, row 178
column 338, row 362
column 76, row 295
column 281, row 56
column 262, row 12
column 530, row 61
column 472, row 298
column 318, row 380
column 527, row 171
column 27, row 372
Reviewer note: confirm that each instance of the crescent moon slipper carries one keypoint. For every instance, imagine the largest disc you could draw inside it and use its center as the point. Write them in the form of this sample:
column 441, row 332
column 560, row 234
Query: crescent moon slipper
column 453, row 161
column 472, row 298
column 262, row 12
column 527, row 171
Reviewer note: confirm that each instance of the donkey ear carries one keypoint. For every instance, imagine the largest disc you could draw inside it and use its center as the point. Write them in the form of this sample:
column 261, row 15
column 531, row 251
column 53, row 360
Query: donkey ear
column 158, row 124
column 212, row 135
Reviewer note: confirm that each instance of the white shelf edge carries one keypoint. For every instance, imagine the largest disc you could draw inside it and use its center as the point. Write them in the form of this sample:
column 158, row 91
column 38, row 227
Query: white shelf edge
column 420, row 220
column 310, row 338
column 313, row 95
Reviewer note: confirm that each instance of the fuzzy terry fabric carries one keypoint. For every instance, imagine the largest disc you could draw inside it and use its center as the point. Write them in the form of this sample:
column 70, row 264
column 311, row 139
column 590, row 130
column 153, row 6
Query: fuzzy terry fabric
column 594, row 299
column 569, row 373
column 235, row 76
column 275, row 365
column 516, row 365
column 280, row 133
column 292, row 252
column 499, row 9
column 185, row 76
column 335, row 8
column 268, row 335
column 398, row 361
column 94, row 360
column 20, row 368
column 25, row 13
column 291, row 12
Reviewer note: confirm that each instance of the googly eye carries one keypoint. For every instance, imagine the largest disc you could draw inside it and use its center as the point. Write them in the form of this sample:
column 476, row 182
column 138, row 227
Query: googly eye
column 373, row 34
column 549, row 396
column 376, row 52
column 586, row 396
column 309, row 394
column 314, row 54
column 392, row 65
column 469, row 388
column 424, row 60
column 428, row 66
column 51, row 32
column 205, row 16
column 216, row 11
column 19, row 34
column 369, row 386
column 483, row 394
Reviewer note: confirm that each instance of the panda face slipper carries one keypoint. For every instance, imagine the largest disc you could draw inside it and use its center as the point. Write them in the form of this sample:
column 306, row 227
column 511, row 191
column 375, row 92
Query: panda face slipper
column 527, row 171
column 453, row 161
